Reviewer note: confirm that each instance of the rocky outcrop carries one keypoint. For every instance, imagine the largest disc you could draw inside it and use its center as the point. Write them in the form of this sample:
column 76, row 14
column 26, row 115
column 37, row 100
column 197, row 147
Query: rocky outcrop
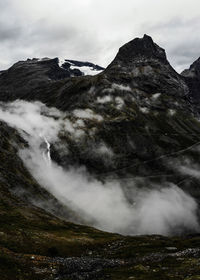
column 192, row 78
column 144, row 65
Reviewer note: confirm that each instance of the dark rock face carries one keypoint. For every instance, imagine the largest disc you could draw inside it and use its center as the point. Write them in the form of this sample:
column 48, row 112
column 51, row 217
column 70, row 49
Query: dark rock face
column 25, row 79
column 140, row 49
column 145, row 66
column 192, row 78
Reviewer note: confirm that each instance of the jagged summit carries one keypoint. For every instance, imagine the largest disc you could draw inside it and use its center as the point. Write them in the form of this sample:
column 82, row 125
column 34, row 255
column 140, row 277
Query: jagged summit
column 140, row 48
column 140, row 63
column 145, row 64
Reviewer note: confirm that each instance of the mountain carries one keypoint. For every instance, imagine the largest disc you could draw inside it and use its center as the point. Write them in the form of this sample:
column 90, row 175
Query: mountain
column 32, row 75
column 192, row 79
column 118, row 150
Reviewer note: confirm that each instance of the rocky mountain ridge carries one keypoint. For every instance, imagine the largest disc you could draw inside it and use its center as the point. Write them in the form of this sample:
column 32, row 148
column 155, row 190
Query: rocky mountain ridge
column 132, row 119
column 192, row 78
column 136, row 123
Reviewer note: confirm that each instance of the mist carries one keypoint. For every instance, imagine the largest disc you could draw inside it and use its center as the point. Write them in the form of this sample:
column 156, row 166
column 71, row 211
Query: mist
column 158, row 210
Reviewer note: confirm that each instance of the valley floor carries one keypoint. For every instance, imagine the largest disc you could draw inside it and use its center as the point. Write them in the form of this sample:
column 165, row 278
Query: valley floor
column 102, row 256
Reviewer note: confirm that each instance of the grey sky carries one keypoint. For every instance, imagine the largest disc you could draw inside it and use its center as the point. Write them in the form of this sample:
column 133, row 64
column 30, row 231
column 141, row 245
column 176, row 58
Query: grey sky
column 94, row 30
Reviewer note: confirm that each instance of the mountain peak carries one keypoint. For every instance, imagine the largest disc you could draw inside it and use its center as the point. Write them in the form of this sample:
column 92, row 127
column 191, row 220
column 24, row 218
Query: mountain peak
column 140, row 49
column 144, row 64
column 194, row 70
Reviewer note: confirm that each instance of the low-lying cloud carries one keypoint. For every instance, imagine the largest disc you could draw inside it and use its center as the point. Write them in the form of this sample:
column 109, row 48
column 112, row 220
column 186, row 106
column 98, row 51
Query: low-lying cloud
column 158, row 210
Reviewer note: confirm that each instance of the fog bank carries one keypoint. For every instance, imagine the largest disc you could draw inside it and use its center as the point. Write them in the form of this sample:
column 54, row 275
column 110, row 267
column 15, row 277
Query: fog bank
column 161, row 210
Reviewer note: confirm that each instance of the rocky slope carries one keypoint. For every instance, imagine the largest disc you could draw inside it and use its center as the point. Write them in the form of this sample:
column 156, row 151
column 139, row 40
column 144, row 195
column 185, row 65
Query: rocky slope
column 192, row 78
column 136, row 123
column 139, row 110
column 27, row 77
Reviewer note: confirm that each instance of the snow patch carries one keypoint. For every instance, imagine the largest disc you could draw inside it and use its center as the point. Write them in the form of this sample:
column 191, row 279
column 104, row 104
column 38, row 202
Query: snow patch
column 86, row 70
column 61, row 61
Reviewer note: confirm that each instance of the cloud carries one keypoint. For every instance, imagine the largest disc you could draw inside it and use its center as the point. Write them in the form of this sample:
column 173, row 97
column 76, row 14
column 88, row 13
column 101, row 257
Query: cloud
column 183, row 49
column 94, row 30
column 9, row 32
column 152, row 209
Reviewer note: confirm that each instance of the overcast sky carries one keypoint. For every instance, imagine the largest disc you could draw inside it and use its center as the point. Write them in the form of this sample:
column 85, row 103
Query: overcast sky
column 93, row 30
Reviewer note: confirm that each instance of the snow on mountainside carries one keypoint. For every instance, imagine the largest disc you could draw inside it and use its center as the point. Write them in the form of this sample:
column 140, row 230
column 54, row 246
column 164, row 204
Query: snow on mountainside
column 86, row 68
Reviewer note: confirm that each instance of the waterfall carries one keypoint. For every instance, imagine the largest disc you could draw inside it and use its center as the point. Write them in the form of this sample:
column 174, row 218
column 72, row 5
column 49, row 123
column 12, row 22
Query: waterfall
column 47, row 151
